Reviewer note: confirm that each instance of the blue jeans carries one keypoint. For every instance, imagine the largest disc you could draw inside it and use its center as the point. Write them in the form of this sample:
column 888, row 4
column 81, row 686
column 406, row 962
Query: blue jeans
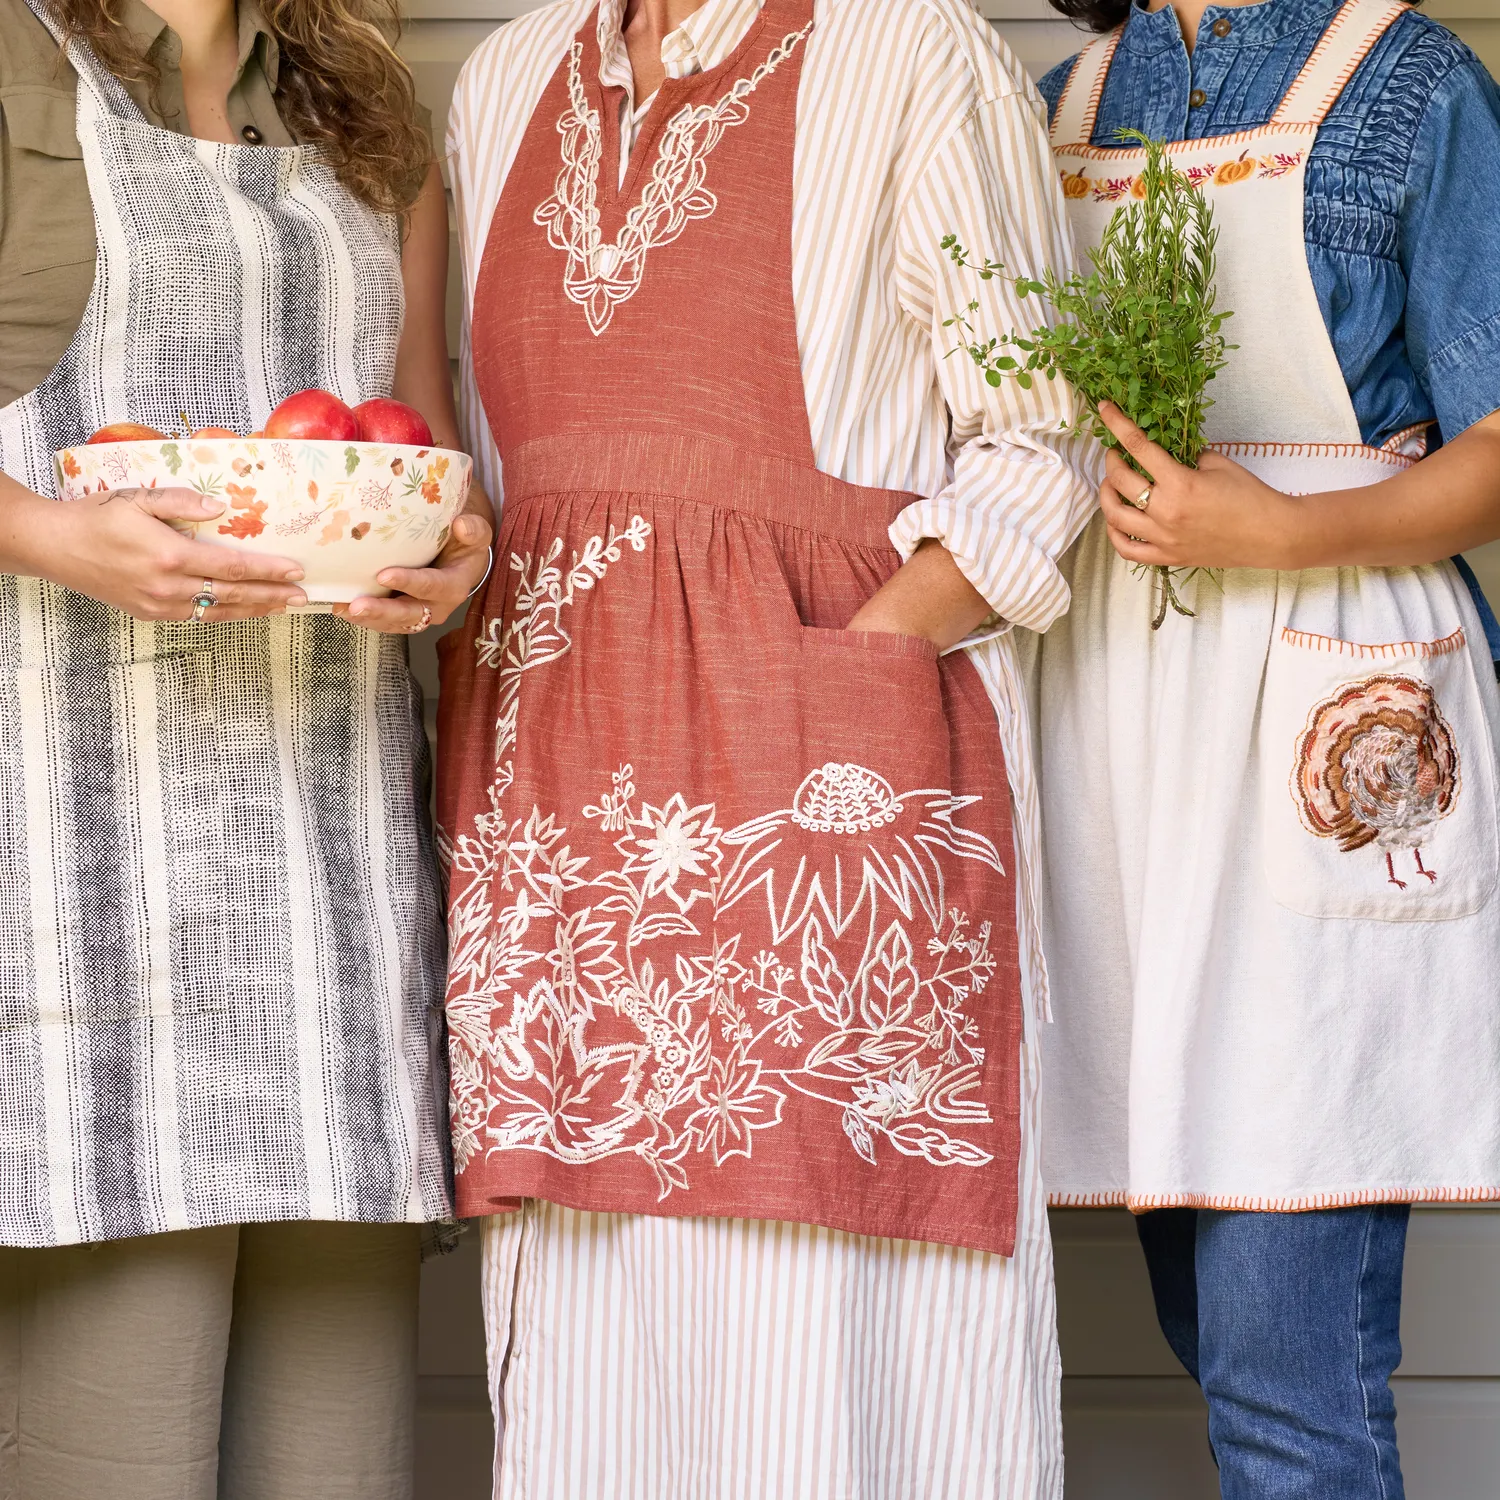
column 1291, row 1325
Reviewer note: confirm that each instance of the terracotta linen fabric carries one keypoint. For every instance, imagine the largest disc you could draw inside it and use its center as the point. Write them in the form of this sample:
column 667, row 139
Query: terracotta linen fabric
column 731, row 913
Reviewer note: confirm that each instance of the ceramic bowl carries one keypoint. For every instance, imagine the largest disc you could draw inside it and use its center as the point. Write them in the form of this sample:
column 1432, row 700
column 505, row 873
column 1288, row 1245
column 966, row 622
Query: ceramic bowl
column 342, row 510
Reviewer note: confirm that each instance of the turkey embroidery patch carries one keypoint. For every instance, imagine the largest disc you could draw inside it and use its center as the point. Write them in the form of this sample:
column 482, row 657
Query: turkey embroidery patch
column 1377, row 764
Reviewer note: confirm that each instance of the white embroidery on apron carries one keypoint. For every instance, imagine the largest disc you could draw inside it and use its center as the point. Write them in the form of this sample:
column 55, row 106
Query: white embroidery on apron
column 600, row 276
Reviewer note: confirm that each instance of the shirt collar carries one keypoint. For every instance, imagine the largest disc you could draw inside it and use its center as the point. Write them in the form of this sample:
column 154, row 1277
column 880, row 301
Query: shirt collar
column 702, row 42
column 150, row 36
column 1151, row 33
column 256, row 36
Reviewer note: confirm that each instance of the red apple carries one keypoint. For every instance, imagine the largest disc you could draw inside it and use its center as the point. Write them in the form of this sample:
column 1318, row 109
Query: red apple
column 313, row 414
column 386, row 421
column 214, row 432
column 127, row 432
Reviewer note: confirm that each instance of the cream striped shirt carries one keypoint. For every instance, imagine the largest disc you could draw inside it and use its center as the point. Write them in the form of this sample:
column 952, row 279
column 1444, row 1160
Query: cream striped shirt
column 914, row 120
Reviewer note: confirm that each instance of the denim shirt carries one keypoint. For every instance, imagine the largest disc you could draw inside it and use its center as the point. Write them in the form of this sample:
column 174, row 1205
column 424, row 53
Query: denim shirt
column 1402, row 219
column 1403, row 189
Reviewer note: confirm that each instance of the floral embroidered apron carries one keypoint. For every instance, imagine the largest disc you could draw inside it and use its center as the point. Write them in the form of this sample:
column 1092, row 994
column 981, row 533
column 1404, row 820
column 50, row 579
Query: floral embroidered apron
column 1270, row 831
column 222, row 948
column 732, row 915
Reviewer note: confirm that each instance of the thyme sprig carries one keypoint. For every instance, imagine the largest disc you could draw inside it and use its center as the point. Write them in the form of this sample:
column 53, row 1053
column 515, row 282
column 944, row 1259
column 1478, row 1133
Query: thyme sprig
column 1141, row 329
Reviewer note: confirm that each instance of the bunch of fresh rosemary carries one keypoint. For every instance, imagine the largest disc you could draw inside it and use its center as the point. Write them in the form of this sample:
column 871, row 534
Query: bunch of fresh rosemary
column 1140, row 329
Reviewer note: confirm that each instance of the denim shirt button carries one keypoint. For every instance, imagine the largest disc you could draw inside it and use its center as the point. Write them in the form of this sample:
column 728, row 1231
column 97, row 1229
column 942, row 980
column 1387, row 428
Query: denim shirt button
column 1197, row 98
column 1222, row 27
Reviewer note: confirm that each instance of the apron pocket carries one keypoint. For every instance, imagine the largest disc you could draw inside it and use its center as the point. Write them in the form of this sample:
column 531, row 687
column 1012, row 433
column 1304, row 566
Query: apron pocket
column 875, row 642
column 1378, row 786
column 122, row 883
column 872, row 700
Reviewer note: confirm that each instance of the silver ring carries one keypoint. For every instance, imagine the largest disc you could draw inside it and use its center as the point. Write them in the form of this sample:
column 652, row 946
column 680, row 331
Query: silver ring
column 204, row 600
column 1143, row 500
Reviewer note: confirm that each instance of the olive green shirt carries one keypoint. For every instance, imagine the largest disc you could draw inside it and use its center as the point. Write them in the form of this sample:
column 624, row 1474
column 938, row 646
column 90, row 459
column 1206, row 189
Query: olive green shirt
column 47, row 242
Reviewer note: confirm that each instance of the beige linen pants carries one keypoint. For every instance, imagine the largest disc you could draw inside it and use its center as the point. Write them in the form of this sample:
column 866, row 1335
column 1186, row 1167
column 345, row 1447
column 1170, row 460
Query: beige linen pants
column 270, row 1362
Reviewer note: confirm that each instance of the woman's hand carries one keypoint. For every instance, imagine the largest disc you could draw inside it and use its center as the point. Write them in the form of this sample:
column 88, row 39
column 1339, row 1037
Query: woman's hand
column 427, row 596
column 1218, row 515
column 118, row 547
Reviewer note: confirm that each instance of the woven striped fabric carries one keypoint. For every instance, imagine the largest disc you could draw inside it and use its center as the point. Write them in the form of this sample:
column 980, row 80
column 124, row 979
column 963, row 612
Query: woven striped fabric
column 220, row 944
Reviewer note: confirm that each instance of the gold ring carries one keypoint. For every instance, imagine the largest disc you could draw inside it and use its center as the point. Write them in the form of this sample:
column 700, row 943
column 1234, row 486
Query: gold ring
column 1143, row 500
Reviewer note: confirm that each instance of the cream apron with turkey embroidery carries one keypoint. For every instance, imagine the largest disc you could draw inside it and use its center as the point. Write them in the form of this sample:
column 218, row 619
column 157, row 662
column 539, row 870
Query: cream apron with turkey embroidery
column 1270, row 830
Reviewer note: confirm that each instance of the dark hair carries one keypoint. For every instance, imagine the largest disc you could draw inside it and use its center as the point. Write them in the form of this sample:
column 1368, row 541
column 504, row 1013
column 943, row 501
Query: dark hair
column 1102, row 15
column 342, row 86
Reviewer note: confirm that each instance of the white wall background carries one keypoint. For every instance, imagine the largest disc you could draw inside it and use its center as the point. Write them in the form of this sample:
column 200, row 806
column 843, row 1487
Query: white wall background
column 1134, row 1422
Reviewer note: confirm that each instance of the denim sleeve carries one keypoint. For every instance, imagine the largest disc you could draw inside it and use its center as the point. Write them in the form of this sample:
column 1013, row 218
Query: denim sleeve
column 1053, row 82
column 1450, row 226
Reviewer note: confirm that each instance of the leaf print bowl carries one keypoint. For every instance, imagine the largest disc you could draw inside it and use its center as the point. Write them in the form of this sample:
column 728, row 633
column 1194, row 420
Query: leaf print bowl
column 342, row 510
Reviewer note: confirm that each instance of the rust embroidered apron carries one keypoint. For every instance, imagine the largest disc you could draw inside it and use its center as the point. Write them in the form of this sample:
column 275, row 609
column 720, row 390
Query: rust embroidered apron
column 731, row 912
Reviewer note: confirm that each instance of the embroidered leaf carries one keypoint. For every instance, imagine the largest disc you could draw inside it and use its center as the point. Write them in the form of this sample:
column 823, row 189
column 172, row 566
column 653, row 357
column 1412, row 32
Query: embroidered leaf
column 936, row 1146
column 836, row 1056
column 662, row 924
column 889, row 984
column 669, row 1175
column 826, row 987
column 859, row 1135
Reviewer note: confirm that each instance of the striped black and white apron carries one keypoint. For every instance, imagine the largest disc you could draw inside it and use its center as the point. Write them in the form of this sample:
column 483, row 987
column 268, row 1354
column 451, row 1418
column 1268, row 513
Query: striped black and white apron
column 220, row 944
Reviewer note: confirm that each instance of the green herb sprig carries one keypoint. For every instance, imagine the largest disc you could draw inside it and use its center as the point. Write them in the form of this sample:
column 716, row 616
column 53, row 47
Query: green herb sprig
column 1141, row 329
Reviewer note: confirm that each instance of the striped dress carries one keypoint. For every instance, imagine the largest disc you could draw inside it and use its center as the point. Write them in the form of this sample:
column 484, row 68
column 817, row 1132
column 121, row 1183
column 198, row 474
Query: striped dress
column 698, row 1357
column 220, row 945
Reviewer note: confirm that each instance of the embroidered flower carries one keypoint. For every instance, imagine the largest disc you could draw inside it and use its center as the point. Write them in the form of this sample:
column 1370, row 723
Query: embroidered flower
column 896, row 1096
column 583, row 955
column 675, row 845
column 848, row 838
column 734, row 1103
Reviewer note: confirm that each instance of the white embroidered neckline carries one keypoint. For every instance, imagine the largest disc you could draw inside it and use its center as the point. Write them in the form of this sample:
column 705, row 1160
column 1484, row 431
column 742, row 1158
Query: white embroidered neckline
column 600, row 276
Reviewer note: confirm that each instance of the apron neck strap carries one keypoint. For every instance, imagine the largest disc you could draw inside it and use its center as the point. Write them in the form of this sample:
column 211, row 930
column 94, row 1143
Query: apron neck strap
column 1347, row 42
column 1078, row 109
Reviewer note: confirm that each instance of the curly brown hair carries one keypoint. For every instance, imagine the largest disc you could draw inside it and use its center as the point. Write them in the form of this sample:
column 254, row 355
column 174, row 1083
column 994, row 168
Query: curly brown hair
column 1102, row 15
column 341, row 86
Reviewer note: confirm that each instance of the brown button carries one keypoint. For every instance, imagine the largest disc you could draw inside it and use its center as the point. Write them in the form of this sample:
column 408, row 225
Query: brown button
column 252, row 136
column 1222, row 28
column 1197, row 98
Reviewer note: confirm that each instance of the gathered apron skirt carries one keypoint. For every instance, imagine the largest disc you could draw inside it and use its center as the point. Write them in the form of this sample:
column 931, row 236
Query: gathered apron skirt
column 732, row 920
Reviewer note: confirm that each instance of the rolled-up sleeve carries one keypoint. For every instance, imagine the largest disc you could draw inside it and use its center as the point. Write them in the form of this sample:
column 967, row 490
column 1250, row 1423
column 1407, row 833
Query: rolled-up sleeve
column 1020, row 486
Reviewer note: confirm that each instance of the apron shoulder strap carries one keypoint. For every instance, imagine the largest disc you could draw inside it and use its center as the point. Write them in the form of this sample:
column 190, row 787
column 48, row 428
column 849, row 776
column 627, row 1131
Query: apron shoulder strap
column 1073, row 123
column 98, row 85
column 1347, row 42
